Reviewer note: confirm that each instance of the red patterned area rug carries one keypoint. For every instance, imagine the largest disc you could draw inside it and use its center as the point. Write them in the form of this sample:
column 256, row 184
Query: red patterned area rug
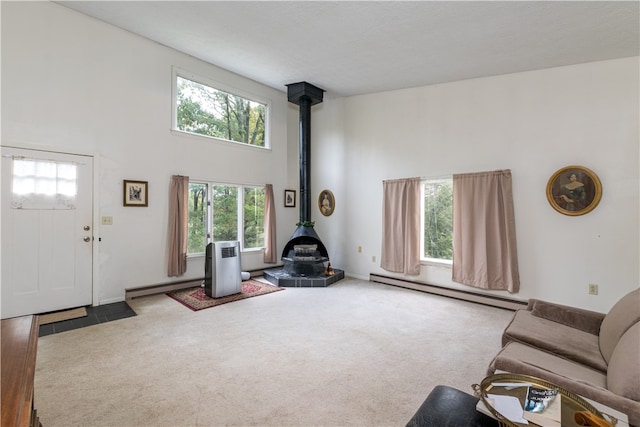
column 196, row 299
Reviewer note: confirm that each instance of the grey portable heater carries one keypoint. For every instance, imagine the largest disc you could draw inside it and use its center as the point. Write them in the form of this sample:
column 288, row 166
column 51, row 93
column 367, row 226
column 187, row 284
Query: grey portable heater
column 222, row 275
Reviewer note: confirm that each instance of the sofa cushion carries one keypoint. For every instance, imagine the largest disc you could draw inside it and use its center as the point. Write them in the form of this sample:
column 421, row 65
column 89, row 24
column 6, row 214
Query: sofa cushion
column 523, row 359
column 623, row 376
column 587, row 382
column 554, row 337
column 578, row 318
column 621, row 317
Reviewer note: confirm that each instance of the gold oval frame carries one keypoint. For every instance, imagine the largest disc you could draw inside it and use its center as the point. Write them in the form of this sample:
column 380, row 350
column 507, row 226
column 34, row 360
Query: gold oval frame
column 569, row 201
column 326, row 202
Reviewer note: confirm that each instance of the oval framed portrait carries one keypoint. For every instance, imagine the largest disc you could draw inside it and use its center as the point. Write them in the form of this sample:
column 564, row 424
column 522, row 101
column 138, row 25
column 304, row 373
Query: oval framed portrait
column 574, row 190
column 326, row 202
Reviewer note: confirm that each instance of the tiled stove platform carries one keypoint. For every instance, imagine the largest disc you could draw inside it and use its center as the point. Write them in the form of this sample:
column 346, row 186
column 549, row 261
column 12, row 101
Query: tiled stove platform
column 279, row 277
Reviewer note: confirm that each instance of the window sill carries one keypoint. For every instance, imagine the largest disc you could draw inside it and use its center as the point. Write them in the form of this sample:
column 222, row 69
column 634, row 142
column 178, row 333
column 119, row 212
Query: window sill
column 219, row 140
column 445, row 263
column 244, row 251
column 189, row 256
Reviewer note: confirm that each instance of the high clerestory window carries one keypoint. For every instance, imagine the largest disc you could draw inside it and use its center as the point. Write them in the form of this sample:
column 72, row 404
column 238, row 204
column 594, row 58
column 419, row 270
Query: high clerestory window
column 205, row 108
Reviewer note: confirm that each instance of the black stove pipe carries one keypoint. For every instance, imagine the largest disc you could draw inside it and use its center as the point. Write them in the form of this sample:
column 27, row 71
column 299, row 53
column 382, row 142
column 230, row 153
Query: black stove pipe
column 305, row 159
column 305, row 95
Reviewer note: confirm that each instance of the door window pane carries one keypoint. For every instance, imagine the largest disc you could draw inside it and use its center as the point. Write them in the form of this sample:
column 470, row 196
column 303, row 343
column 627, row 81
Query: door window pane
column 43, row 184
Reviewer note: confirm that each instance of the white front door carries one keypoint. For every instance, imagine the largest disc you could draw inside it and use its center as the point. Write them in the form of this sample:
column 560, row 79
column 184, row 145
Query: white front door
column 47, row 231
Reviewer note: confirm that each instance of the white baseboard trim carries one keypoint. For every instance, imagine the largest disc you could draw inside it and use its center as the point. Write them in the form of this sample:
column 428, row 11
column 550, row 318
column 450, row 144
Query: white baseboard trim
column 356, row 276
column 109, row 301
column 494, row 301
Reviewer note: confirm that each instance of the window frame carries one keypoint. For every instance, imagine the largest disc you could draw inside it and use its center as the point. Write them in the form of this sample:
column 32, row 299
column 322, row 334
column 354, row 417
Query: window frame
column 438, row 262
column 217, row 85
column 239, row 212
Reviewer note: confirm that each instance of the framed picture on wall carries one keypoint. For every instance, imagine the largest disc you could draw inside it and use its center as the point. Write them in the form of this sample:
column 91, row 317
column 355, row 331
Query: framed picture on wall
column 289, row 198
column 136, row 193
column 326, row 202
column 574, row 190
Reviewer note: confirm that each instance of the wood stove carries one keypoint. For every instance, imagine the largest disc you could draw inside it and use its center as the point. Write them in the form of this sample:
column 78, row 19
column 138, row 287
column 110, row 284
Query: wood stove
column 304, row 255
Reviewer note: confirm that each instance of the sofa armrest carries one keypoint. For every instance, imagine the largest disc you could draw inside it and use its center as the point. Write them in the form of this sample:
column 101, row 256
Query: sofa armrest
column 578, row 318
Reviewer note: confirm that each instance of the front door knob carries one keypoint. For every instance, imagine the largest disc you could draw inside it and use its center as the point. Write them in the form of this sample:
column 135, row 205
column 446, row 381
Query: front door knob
column 86, row 228
column 87, row 239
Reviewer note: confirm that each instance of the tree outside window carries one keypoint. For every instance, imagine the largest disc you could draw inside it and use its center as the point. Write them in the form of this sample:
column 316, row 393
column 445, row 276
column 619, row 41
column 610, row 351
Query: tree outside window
column 253, row 217
column 224, row 217
column 204, row 110
column 214, row 215
column 198, row 212
column 438, row 219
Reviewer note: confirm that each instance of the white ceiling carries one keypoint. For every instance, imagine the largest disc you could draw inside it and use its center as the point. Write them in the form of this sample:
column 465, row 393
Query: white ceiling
column 356, row 47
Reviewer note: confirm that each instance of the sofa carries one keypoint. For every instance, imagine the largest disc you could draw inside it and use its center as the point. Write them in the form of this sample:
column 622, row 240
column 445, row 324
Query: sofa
column 595, row 355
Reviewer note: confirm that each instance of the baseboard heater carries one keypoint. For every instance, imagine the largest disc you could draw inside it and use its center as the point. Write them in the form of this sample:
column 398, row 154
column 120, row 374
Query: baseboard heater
column 495, row 301
column 161, row 288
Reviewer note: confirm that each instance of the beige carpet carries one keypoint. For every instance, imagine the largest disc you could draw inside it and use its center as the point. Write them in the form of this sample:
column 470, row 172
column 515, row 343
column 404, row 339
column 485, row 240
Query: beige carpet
column 353, row 354
column 59, row 316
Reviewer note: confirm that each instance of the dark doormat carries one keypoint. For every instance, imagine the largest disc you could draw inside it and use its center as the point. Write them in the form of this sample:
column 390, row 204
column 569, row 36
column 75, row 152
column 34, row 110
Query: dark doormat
column 95, row 315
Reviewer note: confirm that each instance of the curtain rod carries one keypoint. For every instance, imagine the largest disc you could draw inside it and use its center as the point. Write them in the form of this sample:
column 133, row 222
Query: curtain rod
column 437, row 177
column 8, row 156
column 434, row 177
column 422, row 178
column 229, row 183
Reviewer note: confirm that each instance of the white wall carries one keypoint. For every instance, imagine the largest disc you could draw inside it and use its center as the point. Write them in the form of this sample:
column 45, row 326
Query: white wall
column 533, row 123
column 74, row 84
column 71, row 83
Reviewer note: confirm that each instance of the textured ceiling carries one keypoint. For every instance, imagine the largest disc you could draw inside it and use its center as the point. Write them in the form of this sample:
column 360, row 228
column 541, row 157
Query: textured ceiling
column 350, row 48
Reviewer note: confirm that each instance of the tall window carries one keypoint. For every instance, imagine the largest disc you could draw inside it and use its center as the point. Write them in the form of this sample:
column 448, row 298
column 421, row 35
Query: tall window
column 198, row 229
column 220, row 212
column 437, row 219
column 205, row 110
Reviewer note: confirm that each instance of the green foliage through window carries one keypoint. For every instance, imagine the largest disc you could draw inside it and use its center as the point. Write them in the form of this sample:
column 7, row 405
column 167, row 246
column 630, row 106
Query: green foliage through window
column 198, row 212
column 204, row 110
column 214, row 215
column 225, row 213
column 253, row 217
column 438, row 219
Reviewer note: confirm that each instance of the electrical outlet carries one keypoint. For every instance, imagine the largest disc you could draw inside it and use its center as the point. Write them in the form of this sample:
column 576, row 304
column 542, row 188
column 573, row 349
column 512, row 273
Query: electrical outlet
column 107, row 220
column 373, row 258
column 359, row 249
column 593, row 289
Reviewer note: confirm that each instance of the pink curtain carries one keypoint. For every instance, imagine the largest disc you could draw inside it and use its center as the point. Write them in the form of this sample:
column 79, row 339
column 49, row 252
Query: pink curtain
column 270, row 255
column 401, row 226
column 178, row 223
column 484, row 231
